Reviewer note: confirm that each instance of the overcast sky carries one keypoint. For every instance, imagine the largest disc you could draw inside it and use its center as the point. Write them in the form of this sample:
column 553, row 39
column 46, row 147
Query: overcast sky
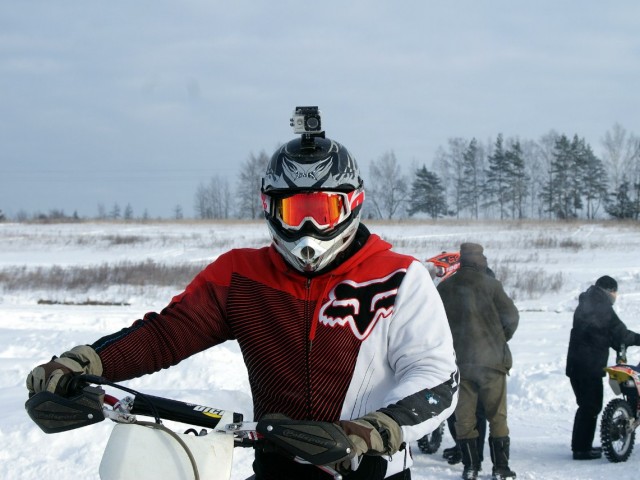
column 141, row 101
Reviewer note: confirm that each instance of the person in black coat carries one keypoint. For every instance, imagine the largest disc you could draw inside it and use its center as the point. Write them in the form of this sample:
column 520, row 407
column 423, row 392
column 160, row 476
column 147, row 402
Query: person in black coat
column 596, row 328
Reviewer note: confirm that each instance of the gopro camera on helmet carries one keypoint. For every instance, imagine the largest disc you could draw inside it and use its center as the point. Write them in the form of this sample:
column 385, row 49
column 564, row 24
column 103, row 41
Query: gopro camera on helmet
column 306, row 120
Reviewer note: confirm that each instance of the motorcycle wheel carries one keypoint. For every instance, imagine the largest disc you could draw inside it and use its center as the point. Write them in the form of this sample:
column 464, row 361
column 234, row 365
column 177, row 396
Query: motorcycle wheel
column 430, row 443
column 616, row 437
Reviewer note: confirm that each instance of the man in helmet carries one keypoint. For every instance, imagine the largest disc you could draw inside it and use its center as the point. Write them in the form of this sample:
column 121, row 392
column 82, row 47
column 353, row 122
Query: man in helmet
column 333, row 325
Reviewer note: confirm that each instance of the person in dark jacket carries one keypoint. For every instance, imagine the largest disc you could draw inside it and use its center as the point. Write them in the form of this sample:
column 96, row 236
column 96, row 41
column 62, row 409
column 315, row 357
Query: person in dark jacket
column 453, row 455
column 596, row 328
column 483, row 319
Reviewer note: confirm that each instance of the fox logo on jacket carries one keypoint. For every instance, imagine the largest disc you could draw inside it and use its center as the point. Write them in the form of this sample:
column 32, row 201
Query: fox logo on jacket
column 361, row 305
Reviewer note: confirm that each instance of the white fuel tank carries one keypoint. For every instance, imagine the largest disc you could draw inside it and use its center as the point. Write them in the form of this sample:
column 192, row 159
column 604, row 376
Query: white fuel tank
column 137, row 452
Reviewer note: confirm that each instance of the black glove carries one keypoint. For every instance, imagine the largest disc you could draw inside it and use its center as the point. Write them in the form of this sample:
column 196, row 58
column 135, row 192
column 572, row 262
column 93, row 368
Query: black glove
column 56, row 375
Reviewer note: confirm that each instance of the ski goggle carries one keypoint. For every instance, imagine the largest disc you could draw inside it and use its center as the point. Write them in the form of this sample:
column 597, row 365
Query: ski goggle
column 324, row 209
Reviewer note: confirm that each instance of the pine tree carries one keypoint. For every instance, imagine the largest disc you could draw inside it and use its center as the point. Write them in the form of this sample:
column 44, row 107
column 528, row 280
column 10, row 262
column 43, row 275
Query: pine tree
column 558, row 190
column 636, row 201
column 497, row 178
column 622, row 206
column 427, row 194
column 128, row 212
column 593, row 181
column 115, row 212
column 516, row 180
column 470, row 187
column 578, row 169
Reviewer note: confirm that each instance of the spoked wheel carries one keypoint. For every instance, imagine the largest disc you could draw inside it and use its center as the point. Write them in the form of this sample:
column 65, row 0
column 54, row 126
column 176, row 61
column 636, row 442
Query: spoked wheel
column 616, row 435
column 430, row 443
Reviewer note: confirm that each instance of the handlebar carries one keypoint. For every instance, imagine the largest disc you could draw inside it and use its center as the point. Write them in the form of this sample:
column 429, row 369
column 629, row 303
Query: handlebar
column 317, row 443
column 87, row 404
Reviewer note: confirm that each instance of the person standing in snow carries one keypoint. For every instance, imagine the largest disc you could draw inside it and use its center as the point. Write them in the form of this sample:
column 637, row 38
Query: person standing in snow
column 596, row 328
column 483, row 319
column 333, row 325
column 453, row 455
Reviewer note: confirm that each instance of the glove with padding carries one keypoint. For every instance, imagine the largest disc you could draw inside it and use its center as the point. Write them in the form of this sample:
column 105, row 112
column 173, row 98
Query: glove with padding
column 373, row 434
column 56, row 375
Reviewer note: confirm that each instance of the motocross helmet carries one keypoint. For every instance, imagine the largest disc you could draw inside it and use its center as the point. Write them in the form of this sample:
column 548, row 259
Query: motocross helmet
column 312, row 194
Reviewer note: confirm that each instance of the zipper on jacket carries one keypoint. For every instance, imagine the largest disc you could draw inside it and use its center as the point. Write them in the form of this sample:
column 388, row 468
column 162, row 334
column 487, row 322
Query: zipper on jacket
column 309, row 320
column 312, row 324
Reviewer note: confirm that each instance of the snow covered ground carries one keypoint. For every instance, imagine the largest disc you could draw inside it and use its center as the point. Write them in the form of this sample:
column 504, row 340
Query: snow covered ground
column 541, row 404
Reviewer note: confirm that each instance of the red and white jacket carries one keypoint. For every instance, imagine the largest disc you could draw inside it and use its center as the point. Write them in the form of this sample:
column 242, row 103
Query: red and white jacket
column 370, row 335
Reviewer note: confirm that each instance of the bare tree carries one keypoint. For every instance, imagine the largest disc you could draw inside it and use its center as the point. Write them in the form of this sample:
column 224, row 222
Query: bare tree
column 177, row 212
column 102, row 212
column 249, row 183
column 213, row 200
column 621, row 154
column 389, row 189
column 449, row 165
column 532, row 154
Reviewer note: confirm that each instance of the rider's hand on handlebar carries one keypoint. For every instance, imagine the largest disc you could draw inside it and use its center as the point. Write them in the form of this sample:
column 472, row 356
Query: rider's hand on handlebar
column 373, row 434
column 56, row 375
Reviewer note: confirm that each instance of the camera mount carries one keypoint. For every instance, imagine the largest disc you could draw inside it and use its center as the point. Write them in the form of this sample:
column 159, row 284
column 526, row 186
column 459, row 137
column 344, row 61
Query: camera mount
column 307, row 122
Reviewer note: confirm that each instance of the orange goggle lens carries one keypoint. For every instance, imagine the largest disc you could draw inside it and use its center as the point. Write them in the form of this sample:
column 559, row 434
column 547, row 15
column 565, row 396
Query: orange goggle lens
column 325, row 208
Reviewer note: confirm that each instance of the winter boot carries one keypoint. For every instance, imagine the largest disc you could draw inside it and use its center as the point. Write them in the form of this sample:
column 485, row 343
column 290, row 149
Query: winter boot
column 470, row 458
column 499, row 448
column 452, row 454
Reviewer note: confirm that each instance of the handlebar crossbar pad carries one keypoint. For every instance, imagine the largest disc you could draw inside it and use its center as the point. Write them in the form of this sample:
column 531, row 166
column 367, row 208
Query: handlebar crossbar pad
column 179, row 411
column 319, row 443
column 54, row 413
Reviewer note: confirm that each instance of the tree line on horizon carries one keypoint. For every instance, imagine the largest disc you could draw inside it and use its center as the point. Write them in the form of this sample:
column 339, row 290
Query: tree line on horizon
column 556, row 177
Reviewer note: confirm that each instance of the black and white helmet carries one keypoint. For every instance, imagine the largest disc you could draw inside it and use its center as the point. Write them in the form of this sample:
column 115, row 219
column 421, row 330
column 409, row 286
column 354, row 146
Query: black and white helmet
column 312, row 194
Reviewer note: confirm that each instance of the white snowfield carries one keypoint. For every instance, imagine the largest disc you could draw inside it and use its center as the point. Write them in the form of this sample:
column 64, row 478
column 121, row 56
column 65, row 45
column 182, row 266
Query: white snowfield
column 541, row 403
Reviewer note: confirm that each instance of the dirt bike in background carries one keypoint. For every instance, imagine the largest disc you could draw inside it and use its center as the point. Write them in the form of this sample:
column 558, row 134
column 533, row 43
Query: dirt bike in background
column 621, row 416
column 444, row 265
column 144, row 450
column 431, row 442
